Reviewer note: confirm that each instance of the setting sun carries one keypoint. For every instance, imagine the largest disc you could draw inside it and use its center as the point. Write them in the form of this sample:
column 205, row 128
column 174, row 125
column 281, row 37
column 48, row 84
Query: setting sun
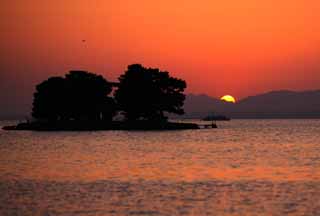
column 228, row 98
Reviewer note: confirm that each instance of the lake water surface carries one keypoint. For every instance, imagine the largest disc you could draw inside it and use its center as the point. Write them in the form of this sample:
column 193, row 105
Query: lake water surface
column 245, row 167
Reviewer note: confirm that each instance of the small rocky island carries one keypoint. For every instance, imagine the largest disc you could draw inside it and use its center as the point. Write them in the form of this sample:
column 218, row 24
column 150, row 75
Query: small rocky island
column 86, row 101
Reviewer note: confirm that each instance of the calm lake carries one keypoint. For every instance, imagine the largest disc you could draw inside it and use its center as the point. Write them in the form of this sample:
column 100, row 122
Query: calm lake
column 245, row 167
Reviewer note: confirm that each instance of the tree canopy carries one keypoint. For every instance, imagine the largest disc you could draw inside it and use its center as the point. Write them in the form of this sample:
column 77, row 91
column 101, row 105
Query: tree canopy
column 142, row 93
column 146, row 93
column 80, row 95
column 49, row 99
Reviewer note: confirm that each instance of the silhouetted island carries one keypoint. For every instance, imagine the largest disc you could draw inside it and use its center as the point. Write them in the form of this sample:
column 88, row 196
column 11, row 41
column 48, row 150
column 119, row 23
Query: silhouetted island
column 82, row 101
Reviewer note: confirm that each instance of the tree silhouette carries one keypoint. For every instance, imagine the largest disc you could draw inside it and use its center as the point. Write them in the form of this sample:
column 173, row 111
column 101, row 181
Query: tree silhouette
column 87, row 93
column 146, row 93
column 79, row 96
column 49, row 99
column 143, row 93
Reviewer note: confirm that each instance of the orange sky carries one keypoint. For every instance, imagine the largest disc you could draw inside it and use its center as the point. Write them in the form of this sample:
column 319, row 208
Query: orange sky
column 237, row 47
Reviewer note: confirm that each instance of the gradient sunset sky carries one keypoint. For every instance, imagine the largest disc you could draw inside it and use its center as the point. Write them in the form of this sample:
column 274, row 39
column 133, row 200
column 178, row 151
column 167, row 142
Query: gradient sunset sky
column 236, row 47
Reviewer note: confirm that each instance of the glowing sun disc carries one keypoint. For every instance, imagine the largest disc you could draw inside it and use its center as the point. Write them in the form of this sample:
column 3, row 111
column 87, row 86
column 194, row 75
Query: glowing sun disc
column 228, row 98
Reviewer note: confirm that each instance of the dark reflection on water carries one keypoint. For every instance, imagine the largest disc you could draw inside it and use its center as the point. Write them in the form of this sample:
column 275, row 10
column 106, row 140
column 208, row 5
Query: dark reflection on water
column 246, row 167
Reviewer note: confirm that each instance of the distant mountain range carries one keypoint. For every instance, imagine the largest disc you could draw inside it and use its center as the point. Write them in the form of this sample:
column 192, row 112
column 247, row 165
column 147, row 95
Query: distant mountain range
column 275, row 104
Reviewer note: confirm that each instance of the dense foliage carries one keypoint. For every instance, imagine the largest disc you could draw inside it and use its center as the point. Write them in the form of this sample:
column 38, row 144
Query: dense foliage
column 79, row 96
column 146, row 93
column 142, row 93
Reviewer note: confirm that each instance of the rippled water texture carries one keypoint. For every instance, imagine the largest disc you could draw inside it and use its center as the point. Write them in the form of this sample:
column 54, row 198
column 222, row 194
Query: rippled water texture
column 246, row 167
